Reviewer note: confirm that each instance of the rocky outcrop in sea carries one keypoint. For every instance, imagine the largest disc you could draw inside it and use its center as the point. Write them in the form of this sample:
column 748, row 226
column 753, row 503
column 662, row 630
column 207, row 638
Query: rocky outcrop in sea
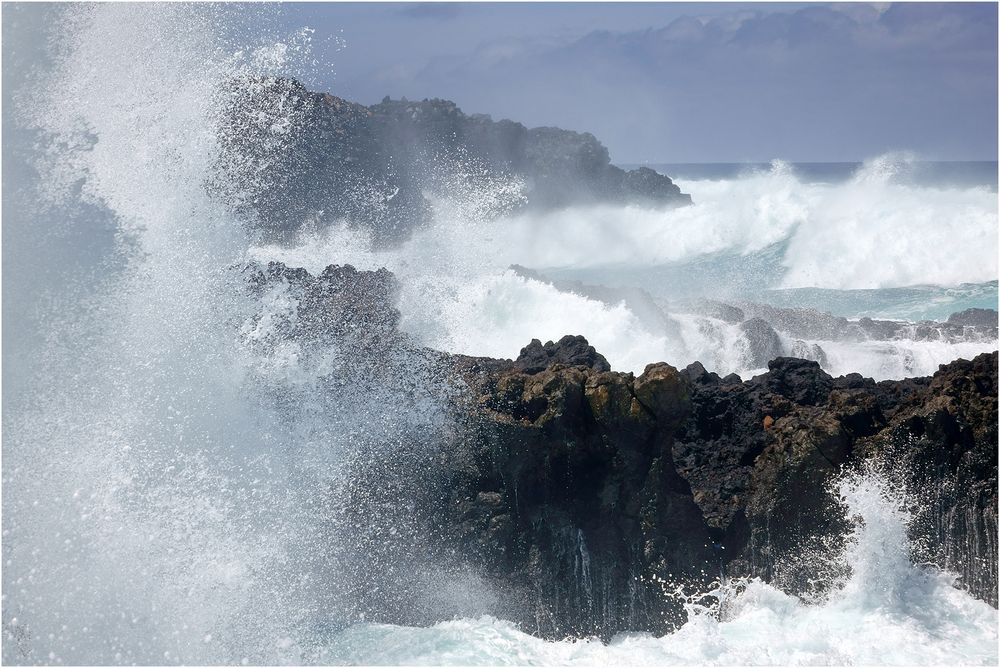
column 588, row 501
column 292, row 157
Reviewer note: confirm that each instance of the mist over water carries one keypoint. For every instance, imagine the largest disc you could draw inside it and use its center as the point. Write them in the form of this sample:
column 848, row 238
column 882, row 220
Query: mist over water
column 174, row 469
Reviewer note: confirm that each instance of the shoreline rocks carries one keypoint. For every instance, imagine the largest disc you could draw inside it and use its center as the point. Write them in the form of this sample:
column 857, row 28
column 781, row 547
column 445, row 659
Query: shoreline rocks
column 679, row 476
column 581, row 498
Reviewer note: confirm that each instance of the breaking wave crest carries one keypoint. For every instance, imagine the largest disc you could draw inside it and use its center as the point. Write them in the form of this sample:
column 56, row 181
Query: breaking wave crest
column 871, row 231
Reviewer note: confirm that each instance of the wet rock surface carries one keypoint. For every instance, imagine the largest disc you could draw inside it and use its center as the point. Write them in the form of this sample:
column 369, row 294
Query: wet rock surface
column 681, row 475
column 569, row 351
column 578, row 464
column 976, row 317
column 580, row 497
column 340, row 305
column 762, row 342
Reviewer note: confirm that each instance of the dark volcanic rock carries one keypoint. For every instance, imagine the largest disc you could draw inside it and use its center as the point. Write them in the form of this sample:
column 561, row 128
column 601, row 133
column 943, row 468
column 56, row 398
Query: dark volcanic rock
column 714, row 309
column 879, row 329
column 677, row 473
column 943, row 439
column 647, row 185
column 582, row 497
column 339, row 305
column 587, row 505
column 800, row 381
column 803, row 323
column 760, row 455
column 809, row 351
column 291, row 156
column 569, row 351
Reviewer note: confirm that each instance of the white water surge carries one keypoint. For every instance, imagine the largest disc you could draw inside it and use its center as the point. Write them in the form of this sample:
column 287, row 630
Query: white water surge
column 763, row 230
column 458, row 293
column 170, row 482
column 886, row 612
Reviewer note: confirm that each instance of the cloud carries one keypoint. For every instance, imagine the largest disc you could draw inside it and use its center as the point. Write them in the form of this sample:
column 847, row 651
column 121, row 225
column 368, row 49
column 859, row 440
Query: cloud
column 823, row 82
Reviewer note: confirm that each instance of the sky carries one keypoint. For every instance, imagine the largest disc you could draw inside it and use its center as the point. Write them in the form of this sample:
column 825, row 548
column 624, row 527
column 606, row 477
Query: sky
column 684, row 82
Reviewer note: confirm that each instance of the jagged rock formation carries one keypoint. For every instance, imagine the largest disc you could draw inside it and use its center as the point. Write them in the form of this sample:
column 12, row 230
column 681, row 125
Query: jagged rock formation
column 575, row 508
column 943, row 437
column 568, row 351
column 339, row 304
column 762, row 341
column 676, row 475
column 807, row 323
column 291, row 156
column 581, row 497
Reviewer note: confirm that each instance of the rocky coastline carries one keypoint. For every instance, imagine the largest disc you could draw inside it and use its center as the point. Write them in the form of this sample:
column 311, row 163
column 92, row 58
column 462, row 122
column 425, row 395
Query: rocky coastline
column 291, row 155
column 583, row 498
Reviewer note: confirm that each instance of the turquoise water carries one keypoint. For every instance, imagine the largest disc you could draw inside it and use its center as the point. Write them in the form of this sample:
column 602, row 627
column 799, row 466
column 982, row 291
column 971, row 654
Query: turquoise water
column 748, row 278
column 918, row 302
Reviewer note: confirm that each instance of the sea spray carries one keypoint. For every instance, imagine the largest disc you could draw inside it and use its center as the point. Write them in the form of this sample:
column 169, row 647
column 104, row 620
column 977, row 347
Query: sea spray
column 134, row 485
column 746, row 216
column 886, row 611
column 748, row 238
column 464, row 304
column 173, row 479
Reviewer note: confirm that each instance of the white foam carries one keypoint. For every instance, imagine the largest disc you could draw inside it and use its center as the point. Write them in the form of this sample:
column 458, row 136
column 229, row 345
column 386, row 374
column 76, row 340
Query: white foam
column 868, row 232
column 904, row 358
column 457, row 296
column 497, row 315
column 888, row 612
column 873, row 230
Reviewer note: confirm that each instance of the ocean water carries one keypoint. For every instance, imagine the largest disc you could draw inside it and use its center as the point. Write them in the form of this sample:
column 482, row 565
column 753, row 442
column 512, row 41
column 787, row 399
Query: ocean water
column 853, row 239
column 900, row 166
column 175, row 471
